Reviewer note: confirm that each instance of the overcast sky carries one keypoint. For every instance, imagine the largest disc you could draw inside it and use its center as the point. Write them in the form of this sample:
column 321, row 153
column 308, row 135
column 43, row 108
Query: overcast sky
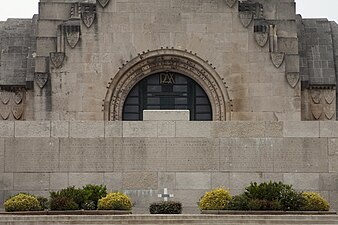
column 308, row 8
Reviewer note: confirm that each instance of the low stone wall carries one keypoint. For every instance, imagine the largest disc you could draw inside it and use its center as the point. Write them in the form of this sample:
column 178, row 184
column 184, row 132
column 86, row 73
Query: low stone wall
column 174, row 219
column 188, row 158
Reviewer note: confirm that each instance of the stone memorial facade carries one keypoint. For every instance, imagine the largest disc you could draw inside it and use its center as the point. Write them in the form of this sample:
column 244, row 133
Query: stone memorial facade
column 258, row 80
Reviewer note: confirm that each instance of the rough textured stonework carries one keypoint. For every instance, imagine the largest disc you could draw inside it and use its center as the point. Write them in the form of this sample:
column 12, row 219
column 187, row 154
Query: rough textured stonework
column 256, row 68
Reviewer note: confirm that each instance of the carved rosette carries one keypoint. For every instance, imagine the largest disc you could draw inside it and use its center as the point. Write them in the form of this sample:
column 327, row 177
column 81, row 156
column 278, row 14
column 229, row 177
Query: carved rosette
column 103, row 3
column 57, row 58
column 88, row 14
column 277, row 58
column 292, row 79
column 41, row 79
column 231, row 3
column 166, row 60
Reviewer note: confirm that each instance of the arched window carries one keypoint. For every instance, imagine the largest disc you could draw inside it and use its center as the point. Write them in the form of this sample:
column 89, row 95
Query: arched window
column 167, row 90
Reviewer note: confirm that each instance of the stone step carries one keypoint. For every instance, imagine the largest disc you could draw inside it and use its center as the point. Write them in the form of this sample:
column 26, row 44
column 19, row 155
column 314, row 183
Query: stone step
column 170, row 219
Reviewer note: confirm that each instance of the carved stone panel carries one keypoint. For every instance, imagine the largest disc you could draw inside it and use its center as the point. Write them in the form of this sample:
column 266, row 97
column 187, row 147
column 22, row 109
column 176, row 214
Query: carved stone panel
column 41, row 79
column 329, row 111
column 5, row 112
column 246, row 17
column 292, row 79
column 73, row 32
column 17, row 111
column 231, row 3
column 88, row 14
column 57, row 58
column 5, row 97
column 316, row 96
column 103, row 3
column 329, row 96
column 317, row 111
column 277, row 58
column 17, row 97
column 261, row 38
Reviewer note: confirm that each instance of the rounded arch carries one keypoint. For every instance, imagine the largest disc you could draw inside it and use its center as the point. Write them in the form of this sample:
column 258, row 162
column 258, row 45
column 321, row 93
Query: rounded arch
column 163, row 60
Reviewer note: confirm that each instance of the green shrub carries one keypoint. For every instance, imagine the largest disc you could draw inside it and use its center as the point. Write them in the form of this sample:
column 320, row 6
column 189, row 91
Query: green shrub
column 216, row 199
column 169, row 207
column 273, row 196
column 63, row 203
column 115, row 201
column 239, row 202
column 92, row 194
column 43, row 202
column 314, row 202
column 65, row 199
column 22, row 202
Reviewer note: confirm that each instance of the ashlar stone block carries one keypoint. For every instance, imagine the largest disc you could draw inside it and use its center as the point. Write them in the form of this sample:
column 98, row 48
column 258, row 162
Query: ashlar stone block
column 246, row 155
column 140, row 180
column 193, row 180
column 241, row 180
column 301, row 129
column 32, row 129
column 60, row 129
column 301, row 155
column 82, row 179
column 88, row 129
column 163, row 115
column 303, row 181
column 113, row 181
column 31, row 155
column 192, row 154
column 31, row 181
column 7, row 129
column 328, row 129
column 86, row 155
column 142, row 154
column 193, row 129
column 6, row 181
column 2, row 155
column 140, row 129
column 220, row 179
column 58, row 181
column 113, row 129
column 238, row 129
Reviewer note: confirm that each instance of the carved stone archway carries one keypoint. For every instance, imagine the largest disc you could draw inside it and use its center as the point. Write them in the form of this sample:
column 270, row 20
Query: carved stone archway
column 171, row 60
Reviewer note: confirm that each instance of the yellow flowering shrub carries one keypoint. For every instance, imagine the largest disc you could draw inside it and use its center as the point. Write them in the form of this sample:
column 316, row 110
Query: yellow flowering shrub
column 314, row 202
column 115, row 201
column 216, row 199
column 22, row 202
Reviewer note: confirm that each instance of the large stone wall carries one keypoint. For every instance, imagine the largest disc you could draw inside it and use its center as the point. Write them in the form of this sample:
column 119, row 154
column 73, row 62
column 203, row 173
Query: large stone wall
column 212, row 29
column 188, row 158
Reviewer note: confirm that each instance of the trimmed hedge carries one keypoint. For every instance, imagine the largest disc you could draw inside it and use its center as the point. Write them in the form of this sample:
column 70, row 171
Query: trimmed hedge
column 170, row 207
column 22, row 202
column 216, row 199
column 115, row 201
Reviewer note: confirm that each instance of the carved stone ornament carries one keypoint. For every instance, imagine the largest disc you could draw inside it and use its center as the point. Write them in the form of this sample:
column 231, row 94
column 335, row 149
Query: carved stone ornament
column 293, row 79
column 316, row 96
column 261, row 38
column 41, row 79
column 17, row 111
column 17, row 97
column 5, row 112
column 5, row 97
column 317, row 111
column 103, row 3
column 329, row 111
column 277, row 58
column 72, row 34
column 231, row 3
column 246, row 17
column 57, row 58
column 329, row 96
column 88, row 14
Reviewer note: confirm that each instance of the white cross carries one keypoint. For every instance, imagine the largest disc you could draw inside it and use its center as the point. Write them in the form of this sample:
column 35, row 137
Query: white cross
column 165, row 195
